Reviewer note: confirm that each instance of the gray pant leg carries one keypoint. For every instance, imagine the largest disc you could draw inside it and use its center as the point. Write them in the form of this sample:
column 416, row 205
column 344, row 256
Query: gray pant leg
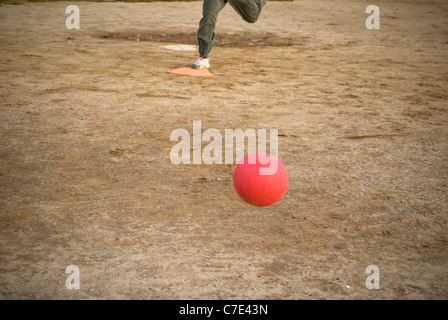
column 206, row 31
column 249, row 10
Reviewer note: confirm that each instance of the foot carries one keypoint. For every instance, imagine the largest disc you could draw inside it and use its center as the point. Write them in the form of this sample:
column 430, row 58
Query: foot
column 201, row 63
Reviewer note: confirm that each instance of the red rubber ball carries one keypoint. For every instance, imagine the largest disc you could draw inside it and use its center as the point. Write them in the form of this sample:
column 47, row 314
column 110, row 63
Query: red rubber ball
column 260, row 179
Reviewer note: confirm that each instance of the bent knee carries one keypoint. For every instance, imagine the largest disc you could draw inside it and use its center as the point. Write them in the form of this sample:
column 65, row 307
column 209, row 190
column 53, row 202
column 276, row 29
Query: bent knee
column 251, row 19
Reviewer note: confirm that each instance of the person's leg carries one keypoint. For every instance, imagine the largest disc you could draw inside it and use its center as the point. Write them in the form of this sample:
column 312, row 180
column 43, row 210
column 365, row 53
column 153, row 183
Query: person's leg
column 206, row 31
column 249, row 10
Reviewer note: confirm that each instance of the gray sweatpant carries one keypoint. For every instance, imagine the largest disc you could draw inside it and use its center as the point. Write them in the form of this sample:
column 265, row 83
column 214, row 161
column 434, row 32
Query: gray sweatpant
column 249, row 10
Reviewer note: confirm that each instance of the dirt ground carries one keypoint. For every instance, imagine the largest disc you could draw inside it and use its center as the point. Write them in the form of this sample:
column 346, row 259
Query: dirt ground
column 86, row 177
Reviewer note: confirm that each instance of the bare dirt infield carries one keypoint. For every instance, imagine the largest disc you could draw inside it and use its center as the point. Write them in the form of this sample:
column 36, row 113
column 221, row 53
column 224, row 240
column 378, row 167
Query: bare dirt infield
column 86, row 177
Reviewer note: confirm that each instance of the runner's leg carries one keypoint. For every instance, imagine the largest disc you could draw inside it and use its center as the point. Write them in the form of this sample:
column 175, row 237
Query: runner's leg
column 206, row 31
column 249, row 10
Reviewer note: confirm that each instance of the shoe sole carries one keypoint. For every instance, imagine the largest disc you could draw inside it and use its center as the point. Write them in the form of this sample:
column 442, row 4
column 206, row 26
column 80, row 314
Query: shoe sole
column 206, row 67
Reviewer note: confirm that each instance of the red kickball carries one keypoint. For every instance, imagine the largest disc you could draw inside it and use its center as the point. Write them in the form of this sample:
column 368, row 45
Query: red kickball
column 260, row 179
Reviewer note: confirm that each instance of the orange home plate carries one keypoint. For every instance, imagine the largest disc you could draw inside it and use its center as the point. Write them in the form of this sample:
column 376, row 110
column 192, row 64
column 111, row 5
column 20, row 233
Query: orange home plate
column 187, row 71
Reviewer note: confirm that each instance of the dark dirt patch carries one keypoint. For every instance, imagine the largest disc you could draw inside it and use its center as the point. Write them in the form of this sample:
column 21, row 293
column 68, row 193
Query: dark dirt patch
column 222, row 40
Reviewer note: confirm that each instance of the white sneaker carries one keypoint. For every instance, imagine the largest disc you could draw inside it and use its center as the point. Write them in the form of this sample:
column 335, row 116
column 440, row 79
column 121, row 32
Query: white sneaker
column 201, row 63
